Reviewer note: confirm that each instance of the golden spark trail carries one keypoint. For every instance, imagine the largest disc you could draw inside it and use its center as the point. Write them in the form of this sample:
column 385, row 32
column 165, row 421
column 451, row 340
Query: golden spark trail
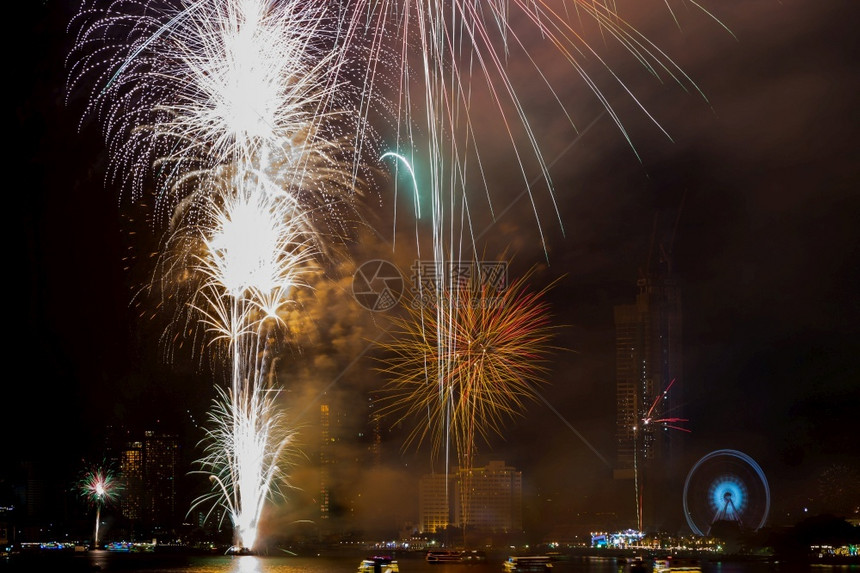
column 493, row 355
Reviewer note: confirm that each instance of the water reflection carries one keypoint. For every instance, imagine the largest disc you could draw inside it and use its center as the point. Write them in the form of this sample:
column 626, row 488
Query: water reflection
column 247, row 564
column 105, row 561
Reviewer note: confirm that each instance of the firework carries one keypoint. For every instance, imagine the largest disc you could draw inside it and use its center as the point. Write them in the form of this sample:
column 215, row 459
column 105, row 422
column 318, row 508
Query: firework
column 489, row 364
column 652, row 419
column 209, row 83
column 444, row 55
column 254, row 253
column 100, row 487
column 466, row 367
column 245, row 250
column 230, row 105
column 246, row 455
column 252, row 257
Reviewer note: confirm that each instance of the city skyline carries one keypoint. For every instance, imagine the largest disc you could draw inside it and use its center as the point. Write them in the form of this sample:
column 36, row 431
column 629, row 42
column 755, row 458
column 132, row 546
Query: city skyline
column 765, row 250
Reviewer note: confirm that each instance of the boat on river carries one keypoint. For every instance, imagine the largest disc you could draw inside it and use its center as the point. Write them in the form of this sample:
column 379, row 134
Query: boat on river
column 378, row 564
column 437, row 557
column 528, row 563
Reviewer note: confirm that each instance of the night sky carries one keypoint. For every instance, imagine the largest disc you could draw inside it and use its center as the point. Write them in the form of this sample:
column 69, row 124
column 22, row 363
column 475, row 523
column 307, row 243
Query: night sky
column 758, row 185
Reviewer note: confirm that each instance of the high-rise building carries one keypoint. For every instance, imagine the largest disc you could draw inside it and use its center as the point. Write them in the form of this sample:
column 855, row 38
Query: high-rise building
column 374, row 418
column 490, row 498
column 334, row 502
column 486, row 498
column 326, row 461
column 434, row 506
column 161, row 458
column 148, row 468
column 350, row 454
column 648, row 360
column 134, row 489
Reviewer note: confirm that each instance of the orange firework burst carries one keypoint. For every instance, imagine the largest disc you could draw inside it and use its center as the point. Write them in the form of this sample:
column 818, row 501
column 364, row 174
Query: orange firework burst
column 466, row 365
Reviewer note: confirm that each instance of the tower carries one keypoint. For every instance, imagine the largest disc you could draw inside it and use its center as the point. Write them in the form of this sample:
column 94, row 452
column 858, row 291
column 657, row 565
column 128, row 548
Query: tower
column 161, row 458
column 648, row 360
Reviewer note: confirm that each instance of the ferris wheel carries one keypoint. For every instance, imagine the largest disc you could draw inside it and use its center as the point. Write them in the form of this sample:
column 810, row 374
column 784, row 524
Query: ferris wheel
column 726, row 486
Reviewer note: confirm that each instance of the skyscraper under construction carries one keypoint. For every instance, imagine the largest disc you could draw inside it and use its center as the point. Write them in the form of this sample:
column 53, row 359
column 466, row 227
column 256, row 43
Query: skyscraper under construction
column 649, row 363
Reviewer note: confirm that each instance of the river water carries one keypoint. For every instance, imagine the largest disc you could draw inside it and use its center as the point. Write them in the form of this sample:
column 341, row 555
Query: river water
column 409, row 563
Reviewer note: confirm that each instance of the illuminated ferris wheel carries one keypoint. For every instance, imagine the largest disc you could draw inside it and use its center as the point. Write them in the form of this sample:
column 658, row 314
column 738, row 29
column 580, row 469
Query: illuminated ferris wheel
column 726, row 486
